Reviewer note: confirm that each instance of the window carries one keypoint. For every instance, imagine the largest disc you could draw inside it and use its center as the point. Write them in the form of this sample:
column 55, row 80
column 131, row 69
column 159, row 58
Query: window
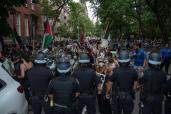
column 26, row 26
column 65, row 17
column 35, row 1
column 2, row 84
column 18, row 24
column 26, row 5
column 32, row 4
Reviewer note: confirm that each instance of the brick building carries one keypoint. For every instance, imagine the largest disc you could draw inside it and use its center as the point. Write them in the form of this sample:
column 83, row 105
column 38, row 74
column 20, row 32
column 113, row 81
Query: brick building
column 27, row 20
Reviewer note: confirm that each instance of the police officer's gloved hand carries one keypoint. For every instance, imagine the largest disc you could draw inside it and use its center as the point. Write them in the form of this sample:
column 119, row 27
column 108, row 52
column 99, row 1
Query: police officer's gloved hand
column 106, row 96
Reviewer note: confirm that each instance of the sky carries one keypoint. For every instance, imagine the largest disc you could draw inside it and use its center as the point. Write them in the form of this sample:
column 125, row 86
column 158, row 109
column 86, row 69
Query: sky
column 76, row 0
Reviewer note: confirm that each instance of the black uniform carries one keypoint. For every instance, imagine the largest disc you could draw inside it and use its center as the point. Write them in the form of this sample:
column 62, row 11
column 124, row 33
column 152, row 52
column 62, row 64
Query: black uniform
column 154, row 80
column 39, row 78
column 168, row 97
column 88, row 82
column 123, row 79
column 63, row 89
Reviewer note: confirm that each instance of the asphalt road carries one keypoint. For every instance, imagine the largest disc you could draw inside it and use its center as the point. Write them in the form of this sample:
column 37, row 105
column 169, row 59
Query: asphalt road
column 136, row 107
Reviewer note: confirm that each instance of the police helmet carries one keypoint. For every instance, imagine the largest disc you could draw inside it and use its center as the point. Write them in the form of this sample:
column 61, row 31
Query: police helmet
column 154, row 58
column 84, row 58
column 124, row 56
column 40, row 58
column 63, row 66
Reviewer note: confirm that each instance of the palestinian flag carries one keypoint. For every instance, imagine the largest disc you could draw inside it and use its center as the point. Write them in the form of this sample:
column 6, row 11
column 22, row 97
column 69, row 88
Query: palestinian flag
column 48, row 38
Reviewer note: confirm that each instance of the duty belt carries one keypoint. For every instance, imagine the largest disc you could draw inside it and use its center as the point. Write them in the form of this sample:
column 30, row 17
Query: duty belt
column 61, row 106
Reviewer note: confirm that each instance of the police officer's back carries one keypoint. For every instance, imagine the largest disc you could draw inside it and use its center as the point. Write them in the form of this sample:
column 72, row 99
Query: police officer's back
column 39, row 77
column 88, row 82
column 168, row 97
column 63, row 89
column 153, row 82
column 123, row 82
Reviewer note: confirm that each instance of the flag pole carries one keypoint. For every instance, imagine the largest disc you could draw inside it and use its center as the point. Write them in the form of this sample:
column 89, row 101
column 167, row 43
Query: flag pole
column 43, row 43
column 51, row 30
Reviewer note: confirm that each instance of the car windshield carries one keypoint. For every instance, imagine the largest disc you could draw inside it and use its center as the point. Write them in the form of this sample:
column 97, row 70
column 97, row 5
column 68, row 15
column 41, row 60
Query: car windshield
column 7, row 68
column 2, row 84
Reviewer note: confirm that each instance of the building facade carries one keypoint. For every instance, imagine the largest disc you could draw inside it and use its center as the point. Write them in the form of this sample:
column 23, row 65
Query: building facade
column 64, row 16
column 62, row 19
column 26, row 20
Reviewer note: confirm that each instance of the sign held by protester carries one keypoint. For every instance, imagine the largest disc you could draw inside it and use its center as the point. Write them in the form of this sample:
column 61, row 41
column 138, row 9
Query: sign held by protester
column 104, row 43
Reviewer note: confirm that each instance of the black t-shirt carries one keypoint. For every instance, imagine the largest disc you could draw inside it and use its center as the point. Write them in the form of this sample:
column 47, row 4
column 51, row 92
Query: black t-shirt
column 88, row 80
column 124, row 77
column 168, row 86
column 39, row 78
column 154, row 81
column 63, row 88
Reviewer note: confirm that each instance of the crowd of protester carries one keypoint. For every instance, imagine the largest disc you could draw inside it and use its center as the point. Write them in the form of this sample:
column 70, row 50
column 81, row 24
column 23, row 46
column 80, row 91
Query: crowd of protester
column 18, row 59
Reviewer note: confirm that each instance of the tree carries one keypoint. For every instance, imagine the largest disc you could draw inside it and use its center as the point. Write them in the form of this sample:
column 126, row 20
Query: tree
column 147, row 17
column 99, row 29
column 47, row 9
column 116, row 16
column 6, row 7
column 161, row 10
column 57, row 6
column 79, row 21
column 63, row 31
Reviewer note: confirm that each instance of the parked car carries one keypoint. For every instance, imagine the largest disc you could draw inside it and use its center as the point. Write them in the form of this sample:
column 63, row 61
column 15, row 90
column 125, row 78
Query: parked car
column 12, row 96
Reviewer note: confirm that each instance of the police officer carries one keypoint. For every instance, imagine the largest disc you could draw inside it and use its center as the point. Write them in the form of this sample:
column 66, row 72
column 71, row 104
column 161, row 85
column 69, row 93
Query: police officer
column 123, row 82
column 88, row 82
column 39, row 77
column 168, row 97
column 63, row 89
column 166, row 55
column 153, row 83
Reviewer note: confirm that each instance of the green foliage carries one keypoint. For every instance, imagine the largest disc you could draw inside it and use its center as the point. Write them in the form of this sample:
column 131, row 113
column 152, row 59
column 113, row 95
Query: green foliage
column 47, row 9
column 149, row 17
column 7, row 6
column 79, row 20
column 161, row 10
column 99, row 29
column 63, row 31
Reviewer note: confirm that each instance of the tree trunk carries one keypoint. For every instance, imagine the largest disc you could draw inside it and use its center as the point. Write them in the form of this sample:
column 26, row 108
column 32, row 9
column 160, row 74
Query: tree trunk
column 162, row 27
column 160, row 20
column 56, row 18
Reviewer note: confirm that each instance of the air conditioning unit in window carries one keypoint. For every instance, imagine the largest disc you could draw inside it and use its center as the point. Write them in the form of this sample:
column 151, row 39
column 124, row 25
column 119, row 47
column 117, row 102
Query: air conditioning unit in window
column 32, row 6
column 26, row 5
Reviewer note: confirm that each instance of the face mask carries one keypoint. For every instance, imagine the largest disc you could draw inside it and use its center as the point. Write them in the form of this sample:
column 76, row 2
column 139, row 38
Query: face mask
column 75, row 57
column 69, row 56
column 101, row 64
column 113, row 66
column 102, row 54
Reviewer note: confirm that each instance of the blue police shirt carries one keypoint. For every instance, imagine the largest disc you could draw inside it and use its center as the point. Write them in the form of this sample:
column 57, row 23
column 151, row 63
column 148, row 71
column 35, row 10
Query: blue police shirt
column 166, row 53
column 140, row 57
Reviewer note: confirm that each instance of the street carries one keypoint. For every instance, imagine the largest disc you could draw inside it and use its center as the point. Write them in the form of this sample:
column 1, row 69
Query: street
column 136, row 107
